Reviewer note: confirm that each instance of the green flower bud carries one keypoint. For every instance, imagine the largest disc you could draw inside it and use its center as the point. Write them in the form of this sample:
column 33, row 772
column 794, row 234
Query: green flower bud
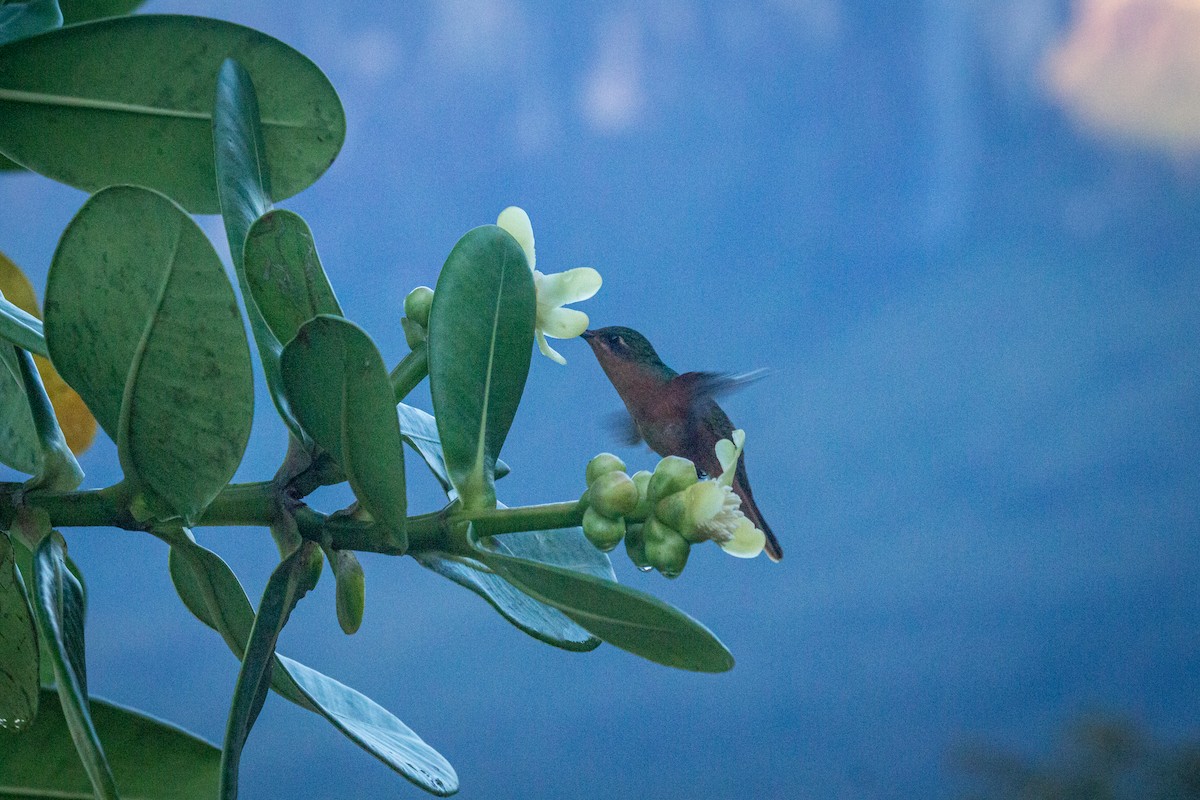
column 672, row 474
column 603, row 532
column 613, row 494
column 414, row 334
column 641, row 479
column 417, row 305
column 312, row 570
column 351, row 589
column 685, row 511
column 666, row 550
column 602, row 465
column 635, row 547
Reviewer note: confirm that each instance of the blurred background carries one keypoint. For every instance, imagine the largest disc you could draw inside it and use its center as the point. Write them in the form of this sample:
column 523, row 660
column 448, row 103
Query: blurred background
column 965, row 239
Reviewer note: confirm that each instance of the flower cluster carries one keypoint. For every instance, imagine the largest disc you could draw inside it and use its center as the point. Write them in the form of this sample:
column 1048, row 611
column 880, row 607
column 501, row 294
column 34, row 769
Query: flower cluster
column 660, row 515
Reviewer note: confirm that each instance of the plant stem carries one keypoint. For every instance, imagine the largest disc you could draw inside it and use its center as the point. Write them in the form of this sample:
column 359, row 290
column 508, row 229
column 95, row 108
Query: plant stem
column 258, row 504
column 411, row 370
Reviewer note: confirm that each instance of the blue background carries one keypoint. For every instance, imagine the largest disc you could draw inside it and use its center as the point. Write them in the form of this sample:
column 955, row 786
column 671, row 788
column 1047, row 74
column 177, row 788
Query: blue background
column 978, row 442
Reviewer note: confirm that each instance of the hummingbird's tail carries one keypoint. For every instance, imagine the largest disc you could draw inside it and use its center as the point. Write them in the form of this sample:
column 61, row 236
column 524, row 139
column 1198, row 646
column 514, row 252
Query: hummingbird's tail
column 750, row 509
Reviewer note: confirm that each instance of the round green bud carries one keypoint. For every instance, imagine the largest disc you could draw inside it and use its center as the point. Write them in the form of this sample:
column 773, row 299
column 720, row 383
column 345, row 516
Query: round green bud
column 673, row 474
column 666, row 550
column 613, row 494
column 602, row 465
column 417, row 305
column 603, row 532
column 685, row 511
column 414, row 334
column 351, row 589
column 635, row 547
column 641, row 479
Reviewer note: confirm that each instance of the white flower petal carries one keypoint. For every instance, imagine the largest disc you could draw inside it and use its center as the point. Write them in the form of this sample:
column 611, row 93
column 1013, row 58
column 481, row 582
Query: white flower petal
column 548, row 351
column 563, row 288
column 562, row 323
column 726, row 453
column 747, row 542
column 516, row 222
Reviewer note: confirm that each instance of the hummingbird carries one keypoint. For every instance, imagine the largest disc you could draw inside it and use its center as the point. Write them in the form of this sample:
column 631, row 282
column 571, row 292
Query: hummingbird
column 675, row 414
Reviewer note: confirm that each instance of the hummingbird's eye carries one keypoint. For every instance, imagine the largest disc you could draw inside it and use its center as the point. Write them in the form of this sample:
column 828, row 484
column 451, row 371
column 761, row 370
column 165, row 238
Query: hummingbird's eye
column 618, row 343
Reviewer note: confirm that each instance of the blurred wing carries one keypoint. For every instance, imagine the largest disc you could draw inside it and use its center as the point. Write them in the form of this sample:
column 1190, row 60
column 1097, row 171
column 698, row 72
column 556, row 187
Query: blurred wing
column 715, row 384
column 626, row 430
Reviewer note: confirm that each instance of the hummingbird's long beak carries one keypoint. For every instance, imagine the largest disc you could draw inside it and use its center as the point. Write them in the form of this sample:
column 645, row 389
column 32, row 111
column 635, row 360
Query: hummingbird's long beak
column 587, row 335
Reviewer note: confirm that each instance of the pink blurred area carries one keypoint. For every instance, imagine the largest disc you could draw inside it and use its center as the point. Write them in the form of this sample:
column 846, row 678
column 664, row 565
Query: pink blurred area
column 1130, row 70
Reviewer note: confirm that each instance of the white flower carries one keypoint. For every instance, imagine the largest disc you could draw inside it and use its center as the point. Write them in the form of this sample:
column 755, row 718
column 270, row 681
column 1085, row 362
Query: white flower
column 553, row 291
column 716, row 512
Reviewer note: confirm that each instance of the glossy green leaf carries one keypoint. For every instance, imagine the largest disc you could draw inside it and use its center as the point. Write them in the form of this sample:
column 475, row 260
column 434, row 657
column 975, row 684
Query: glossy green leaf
column 59, row 612
column 211, row 591
column 156, row 346
column 22, row 329
column 41, row 763
column 18, row 649
column 284, row 274
column 83, row 10
column 419, row 430
column 239, row 155
column 566, row 548
column 287, row 584
column 58, row 470
column 375, row 729
column 480, row 343
column 24, row 559
column 213, row 594
column 21, row 18
column 244, row 190
column 19, row 447
column 130, row 100
column 624, row 617
column 337, row 385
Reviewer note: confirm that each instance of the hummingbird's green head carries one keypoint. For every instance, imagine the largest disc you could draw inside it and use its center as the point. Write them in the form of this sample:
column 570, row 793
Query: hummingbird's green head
column 620, row 344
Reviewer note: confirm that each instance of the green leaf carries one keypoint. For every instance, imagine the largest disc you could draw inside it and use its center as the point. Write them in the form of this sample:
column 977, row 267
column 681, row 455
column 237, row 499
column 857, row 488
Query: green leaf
column 376, row 730
column 480, row 343
column 212, row 593
column 624, row 617
column 19, row 446
column 244, row 189
column 58, row 470
column 22, row 329
column 59, row 613
column 337, row 385
column 239, row 155
column 18, row 649
column 290, row 581
column 284, row 274
column 29, row 18
column 41, row 763
column 84, row 10
column 24, row 558
column 419, row 430
column 130, row 100
column 156, row 346
column 566, row 548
